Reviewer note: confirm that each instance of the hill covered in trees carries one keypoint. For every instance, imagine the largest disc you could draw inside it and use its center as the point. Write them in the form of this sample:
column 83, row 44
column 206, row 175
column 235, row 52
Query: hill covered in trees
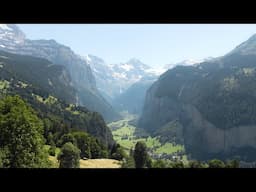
column 46, row 90
column 77, row 70
column 42, row 85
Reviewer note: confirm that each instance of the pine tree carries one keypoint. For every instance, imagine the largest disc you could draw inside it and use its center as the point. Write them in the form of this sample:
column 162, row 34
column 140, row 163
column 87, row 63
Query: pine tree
column 140, row 155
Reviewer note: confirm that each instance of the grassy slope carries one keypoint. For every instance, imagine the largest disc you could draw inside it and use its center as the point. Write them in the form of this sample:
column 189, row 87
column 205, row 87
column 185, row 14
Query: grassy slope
column 90, row 163
column 124, row 135
column 100, row 163
column 169, row 148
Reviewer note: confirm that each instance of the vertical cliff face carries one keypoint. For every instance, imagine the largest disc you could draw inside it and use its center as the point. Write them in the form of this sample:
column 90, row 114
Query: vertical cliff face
column 13, row 40
column 204, row 140
column 158, row 111
column 214, row 101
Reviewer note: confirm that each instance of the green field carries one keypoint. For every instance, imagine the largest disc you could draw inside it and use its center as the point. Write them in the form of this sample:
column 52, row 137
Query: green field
column 124, row 134
column 169, row 148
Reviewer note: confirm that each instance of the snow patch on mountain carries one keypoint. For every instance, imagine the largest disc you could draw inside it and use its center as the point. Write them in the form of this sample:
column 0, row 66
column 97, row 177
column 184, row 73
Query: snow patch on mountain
column 114, row 79
column 156, row 71
column 127, row 67
column 187, row 62
column 5, row 27
column 119, row 75
column 88, row 59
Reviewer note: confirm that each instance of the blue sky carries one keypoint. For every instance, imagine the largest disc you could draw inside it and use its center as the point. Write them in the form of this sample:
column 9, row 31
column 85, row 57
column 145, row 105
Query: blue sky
column 153, row 44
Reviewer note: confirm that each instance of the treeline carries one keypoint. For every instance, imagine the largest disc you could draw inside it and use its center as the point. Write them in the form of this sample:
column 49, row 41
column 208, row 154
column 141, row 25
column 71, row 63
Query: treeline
column 23, row 136
column 59, row 117
column 215, row 163
column 139, row 158
column 48, row 90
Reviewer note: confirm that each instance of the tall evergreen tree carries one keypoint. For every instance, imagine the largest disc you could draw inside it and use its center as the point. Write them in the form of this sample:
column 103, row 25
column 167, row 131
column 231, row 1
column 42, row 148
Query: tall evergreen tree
column 140, row 155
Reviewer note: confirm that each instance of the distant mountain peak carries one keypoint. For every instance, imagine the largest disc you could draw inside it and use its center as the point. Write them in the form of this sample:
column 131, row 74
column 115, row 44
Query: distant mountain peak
column 134, row 60
column 113, row 79
column 187, row 62
column 252, row 38
column 93, row 60
column 11, row 32
column 5, row 27
column 248, row 47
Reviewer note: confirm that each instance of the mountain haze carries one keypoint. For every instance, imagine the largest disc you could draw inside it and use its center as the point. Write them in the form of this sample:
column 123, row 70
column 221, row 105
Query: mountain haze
column 13, row 40
column 212, row 103
column 47, row 88
column 114, row 79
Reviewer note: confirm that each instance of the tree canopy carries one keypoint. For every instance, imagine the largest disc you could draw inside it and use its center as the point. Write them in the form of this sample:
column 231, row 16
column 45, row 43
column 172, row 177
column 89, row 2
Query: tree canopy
column 69, row 156
column 141, row 156
column 21, row 139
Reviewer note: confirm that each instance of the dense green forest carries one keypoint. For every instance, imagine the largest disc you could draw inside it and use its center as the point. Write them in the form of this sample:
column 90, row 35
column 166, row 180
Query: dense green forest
column 36, row 101
column 50, row 96
column 24, row 134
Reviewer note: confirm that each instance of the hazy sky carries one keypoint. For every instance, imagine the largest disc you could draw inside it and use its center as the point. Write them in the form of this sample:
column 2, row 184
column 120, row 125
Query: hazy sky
column 153, row 44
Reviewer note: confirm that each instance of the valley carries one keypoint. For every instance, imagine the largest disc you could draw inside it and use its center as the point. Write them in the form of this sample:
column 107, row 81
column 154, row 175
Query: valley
column 59, row 109
column 127, row 135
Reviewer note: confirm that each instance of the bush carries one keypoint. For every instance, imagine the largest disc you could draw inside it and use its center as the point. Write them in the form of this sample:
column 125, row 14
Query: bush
column 216, row 163
column 196, row 164
column 69, row 156
column 118, row 152
column 52, row 150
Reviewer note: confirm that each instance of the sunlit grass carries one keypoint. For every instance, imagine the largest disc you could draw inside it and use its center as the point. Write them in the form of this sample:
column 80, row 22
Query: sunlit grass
column 124, row 134
column 169, row 148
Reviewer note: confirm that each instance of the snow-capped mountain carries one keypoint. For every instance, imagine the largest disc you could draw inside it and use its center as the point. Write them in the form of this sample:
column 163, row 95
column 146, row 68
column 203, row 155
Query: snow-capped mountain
column 13, row 40
column 187, row 62
column 113, row 79
column 10, row 35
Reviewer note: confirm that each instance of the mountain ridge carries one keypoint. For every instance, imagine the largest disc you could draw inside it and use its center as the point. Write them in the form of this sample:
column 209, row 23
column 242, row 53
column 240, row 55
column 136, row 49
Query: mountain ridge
column 15, row 41
column 40, row 83
column 208, row 102
column 113, row 79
